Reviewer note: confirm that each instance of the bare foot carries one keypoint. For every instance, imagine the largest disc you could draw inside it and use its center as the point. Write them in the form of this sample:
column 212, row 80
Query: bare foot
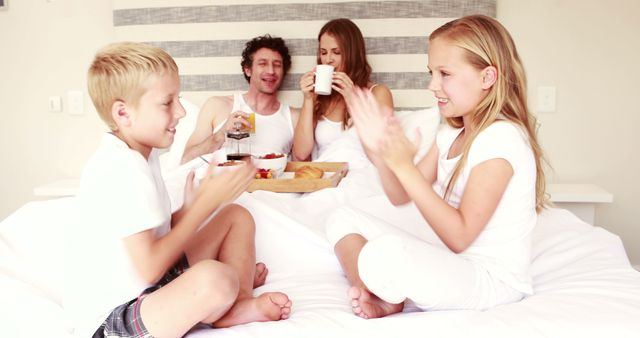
column 260, row 275
column 269, row 306
column 367, row 305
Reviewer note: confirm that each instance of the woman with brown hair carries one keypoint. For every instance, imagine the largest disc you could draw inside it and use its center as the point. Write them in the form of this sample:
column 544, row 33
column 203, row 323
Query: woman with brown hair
column 323, row 118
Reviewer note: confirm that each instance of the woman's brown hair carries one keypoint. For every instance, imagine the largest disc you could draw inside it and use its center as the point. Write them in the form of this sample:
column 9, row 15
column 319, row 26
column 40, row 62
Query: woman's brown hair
column 354, row 62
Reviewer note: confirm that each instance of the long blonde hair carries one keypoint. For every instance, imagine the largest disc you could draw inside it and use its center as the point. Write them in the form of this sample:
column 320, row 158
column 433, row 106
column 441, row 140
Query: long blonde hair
column 487, row 43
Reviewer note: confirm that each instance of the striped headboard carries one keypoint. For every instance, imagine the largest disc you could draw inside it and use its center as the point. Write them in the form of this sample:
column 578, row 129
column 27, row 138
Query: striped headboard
column 206, row 37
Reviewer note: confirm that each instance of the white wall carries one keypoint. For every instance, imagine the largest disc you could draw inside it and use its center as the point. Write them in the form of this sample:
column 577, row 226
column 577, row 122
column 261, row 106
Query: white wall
column 45, row 49
column 588, row 49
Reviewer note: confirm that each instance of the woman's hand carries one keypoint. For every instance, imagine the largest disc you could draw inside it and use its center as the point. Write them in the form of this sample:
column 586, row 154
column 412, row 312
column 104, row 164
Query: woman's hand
column 341, row 82
column 307, row 84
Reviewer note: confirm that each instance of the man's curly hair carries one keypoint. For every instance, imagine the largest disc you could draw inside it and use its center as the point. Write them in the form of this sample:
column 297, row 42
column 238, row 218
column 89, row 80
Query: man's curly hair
column 266, row 41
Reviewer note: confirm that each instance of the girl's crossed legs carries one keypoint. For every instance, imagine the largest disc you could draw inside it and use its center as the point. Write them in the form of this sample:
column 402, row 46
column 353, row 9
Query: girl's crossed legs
column 386, row 265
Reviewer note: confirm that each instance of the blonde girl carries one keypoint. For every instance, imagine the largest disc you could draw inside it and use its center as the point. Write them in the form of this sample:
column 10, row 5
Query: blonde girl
column 479, row 187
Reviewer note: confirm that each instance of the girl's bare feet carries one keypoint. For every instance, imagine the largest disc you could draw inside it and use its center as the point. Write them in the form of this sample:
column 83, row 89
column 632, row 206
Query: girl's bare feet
column 269, row 306
column 260, row 275
column 367, row 305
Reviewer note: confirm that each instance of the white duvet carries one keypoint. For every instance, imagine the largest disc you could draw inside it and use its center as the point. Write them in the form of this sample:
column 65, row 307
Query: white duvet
column 584, row 285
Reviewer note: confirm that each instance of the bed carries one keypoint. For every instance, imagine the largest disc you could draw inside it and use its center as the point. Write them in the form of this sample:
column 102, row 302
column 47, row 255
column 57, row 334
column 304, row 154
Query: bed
column 584, row 285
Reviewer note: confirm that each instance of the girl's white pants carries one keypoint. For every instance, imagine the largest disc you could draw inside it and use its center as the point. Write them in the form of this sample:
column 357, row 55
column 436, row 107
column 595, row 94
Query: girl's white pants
column 408, row 261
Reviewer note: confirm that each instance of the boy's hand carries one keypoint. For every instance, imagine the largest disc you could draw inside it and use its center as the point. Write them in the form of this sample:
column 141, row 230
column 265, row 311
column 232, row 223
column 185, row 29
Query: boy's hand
column 215, row 190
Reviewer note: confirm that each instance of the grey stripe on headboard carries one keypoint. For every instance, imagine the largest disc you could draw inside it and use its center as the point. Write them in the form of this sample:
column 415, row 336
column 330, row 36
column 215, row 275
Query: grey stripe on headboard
column 302, row 11
column 216, row 48
column 201, row 37
column 230, row 82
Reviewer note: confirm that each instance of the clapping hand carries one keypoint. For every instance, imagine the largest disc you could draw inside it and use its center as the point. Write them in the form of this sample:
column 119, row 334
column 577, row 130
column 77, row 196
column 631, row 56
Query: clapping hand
column 396, row 149
column 368, row 118
column 217, row 189
column 379, row 131
column 342, row 83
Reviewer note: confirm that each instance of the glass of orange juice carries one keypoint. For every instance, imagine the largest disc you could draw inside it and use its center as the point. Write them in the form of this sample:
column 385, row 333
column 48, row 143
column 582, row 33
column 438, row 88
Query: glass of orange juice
column 252, row 120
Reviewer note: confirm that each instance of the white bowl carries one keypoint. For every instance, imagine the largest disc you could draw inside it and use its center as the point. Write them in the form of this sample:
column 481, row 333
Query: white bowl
column 277, row 164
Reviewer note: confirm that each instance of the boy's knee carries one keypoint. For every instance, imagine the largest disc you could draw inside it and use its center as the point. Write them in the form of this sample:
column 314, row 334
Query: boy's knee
column 216, row 282
column 240, row 215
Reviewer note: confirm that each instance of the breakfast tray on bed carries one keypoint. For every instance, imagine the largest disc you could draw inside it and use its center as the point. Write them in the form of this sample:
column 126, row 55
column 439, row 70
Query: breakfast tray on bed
column 333, row 173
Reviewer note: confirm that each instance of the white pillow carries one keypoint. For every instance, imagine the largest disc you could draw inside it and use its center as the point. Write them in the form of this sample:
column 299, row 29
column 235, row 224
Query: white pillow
column 32, row 242
column 426, row 120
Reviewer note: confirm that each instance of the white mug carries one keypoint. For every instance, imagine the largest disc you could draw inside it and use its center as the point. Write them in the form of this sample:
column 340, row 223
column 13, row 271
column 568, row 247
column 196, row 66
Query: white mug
column 324, row 78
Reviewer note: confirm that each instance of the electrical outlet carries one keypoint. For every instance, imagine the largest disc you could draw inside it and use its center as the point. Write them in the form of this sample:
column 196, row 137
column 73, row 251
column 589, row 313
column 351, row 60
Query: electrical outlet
column 75, row 102
column 546, row 99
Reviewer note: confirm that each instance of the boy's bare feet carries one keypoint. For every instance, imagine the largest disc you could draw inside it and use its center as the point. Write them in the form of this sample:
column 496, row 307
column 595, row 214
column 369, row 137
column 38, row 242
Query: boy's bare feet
column 367, row 305
column 260, row 275
column 269, row 306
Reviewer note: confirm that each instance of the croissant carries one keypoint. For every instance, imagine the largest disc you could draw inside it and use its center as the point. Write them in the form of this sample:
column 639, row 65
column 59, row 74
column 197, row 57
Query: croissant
column 308, row 172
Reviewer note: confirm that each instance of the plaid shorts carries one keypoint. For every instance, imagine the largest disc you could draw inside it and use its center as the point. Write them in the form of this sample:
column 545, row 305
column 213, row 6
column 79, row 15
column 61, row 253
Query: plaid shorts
column 125, row 321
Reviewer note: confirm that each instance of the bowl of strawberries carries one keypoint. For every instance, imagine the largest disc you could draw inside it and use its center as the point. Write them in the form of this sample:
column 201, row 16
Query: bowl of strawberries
column 271, row 163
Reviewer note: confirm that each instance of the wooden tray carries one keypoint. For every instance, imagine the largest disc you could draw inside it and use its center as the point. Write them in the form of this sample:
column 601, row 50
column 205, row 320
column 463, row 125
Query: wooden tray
column 338, row 170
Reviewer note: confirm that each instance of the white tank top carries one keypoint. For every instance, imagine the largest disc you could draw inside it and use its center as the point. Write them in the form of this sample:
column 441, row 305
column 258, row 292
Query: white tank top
column 274, row 133
column 326, row 132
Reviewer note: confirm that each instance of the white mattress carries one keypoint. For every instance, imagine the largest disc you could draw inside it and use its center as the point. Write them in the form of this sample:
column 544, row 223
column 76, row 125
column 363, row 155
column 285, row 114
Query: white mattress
column 584, row 285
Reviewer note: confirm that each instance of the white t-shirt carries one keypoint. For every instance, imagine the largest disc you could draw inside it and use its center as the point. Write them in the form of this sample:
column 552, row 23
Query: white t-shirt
column 504, row 246
column 121, row 194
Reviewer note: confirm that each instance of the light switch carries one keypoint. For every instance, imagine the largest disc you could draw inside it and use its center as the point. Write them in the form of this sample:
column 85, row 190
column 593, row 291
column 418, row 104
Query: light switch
column 546, row 99
column 55, row 104
column 75, row 102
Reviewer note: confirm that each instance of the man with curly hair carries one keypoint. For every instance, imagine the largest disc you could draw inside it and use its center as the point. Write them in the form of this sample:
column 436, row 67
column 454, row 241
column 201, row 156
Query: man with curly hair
column 265, row 63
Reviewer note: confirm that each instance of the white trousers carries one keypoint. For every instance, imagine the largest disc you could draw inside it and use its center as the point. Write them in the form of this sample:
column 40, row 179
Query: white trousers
column 408, row 261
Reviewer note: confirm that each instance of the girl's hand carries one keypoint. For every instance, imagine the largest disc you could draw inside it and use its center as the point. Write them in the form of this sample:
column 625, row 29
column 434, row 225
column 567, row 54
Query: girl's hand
column 342, row 84
column 369, row 119
column 396, row 149
column 307, row 82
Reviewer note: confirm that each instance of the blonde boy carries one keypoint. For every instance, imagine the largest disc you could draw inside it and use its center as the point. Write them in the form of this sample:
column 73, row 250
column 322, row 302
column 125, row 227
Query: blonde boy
column 136, row 270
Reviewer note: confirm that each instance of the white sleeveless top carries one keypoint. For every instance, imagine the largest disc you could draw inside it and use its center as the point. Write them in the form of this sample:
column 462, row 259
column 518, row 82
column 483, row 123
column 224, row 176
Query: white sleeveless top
column 326, row 132
column 274, row 133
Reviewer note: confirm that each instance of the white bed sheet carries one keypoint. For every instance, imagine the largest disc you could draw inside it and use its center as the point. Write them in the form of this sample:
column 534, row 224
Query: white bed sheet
column 584, row 285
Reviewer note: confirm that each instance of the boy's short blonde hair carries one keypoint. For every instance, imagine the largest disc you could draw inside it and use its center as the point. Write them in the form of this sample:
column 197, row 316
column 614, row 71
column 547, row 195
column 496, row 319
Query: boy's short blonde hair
column 119, row 72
